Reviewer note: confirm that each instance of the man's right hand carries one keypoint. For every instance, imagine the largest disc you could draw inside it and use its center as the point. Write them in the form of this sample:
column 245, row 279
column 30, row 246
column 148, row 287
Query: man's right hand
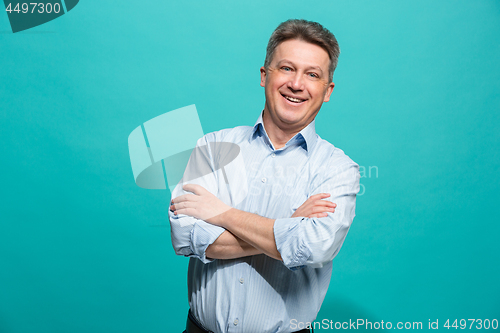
column 315, row 206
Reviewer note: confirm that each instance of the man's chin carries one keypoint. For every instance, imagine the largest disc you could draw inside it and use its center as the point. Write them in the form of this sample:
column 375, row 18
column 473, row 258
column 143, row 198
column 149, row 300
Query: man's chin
column 292, row 122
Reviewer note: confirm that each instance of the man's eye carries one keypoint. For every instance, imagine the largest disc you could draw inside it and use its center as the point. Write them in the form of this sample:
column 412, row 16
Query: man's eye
column 314, row 75
column 286, row 69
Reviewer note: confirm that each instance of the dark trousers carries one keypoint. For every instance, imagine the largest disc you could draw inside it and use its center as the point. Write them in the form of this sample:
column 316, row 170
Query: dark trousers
column 193, row 326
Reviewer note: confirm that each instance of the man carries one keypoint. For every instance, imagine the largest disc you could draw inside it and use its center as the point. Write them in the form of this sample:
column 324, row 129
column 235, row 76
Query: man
column 262, row 263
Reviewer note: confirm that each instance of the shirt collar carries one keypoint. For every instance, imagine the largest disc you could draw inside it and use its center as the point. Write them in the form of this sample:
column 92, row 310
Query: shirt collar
column 307, row 135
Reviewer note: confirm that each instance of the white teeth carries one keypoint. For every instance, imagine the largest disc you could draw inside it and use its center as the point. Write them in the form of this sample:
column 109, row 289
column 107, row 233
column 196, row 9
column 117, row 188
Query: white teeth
column 296, row 100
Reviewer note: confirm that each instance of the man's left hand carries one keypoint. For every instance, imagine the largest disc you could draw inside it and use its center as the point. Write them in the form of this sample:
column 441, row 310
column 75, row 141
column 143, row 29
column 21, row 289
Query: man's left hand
column 202, row 204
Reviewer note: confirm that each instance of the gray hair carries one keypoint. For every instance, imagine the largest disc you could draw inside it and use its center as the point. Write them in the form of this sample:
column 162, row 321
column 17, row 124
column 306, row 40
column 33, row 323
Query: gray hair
column 308, row 31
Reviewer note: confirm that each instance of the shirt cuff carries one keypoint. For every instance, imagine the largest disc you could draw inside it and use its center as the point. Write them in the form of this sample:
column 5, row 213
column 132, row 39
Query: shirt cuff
column 292, row 247
column 202, row 235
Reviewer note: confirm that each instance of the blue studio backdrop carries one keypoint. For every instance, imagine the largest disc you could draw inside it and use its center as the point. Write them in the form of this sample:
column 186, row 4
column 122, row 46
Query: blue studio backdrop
column 416, row 105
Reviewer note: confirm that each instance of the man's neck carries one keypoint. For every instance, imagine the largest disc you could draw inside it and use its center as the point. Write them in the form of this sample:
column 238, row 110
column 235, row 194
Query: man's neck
column 278, row 136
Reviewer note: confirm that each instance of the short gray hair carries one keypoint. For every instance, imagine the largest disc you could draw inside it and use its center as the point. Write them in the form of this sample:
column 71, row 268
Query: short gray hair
column 308, row 31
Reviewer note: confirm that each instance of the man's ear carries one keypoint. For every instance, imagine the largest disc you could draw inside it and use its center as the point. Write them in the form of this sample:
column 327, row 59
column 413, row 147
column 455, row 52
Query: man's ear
column 263, row 76
column 329, row 91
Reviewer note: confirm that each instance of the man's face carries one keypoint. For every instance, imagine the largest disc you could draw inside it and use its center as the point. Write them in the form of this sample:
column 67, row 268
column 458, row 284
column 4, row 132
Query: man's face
column 296, row 84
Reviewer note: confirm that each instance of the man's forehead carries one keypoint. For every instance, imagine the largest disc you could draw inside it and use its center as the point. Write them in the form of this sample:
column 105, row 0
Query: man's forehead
column 301, row 53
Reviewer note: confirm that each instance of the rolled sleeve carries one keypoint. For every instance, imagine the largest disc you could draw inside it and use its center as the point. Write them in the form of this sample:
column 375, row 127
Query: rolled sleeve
column 292, row 247
column 316, row 241
column 202, row 235
column 191, row 236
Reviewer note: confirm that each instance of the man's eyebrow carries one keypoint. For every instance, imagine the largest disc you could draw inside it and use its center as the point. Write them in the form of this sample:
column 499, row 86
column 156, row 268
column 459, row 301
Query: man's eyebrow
column 316, row 67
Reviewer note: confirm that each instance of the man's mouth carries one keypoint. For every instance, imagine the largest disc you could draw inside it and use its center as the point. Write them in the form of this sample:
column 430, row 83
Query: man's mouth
column 293, row 99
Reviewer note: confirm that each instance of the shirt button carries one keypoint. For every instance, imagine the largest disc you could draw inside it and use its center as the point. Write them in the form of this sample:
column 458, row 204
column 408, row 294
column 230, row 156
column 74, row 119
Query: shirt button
column 241, row 280
column 235, row 322
column 273, row 155
column 264, row 180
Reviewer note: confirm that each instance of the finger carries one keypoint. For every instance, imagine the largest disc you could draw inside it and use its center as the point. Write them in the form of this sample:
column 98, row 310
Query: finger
column 315, row 197
column 322, row 210
column 320, row 196
column 185, row 197
column 196, row 189
column 186, row 211
column 323, row 203
column 182, row 205
column 312, row 199
column 174, row 208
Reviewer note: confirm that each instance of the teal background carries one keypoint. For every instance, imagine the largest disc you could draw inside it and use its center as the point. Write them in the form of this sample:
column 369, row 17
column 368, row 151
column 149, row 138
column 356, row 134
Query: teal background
column 83, row 249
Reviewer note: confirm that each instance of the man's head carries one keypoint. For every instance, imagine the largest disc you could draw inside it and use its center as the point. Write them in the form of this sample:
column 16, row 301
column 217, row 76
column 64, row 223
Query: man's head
column 307, row 31
column 297, row 74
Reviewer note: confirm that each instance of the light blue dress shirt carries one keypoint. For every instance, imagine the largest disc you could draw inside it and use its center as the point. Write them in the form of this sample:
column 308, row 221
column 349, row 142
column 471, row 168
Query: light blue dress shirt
column 258, row 293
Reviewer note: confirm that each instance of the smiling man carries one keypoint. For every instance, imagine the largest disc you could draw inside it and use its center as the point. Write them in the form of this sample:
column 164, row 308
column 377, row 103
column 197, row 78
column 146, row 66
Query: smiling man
column 263, row 263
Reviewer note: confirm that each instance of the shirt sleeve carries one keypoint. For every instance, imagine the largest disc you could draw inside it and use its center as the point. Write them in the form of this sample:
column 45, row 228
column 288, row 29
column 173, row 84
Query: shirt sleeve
column 191, row 236
column 316, row 241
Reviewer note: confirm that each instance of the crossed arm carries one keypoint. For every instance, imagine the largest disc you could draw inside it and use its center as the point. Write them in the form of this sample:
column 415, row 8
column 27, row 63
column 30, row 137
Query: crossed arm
column 245, row 233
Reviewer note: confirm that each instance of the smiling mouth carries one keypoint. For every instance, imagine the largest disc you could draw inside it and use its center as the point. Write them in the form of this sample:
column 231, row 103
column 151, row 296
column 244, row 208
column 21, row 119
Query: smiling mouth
column 293, row 99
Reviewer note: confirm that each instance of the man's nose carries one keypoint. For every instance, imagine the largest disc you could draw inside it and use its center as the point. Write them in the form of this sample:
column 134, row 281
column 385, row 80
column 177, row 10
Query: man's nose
column 296, row 82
